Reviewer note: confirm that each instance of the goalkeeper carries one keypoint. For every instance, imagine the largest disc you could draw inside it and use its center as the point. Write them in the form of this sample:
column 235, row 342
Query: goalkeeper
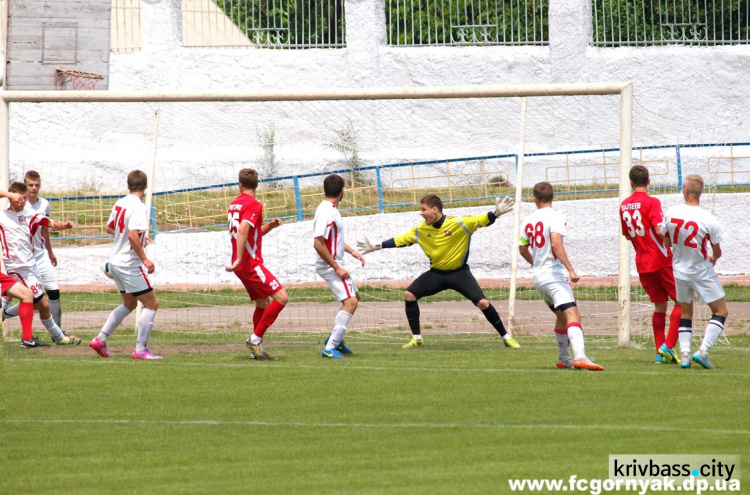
column 445, row 241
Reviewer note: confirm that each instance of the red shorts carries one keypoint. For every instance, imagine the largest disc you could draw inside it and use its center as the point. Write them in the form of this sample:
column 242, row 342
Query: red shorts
column 659, row 285
column 259, row 282
column 6, row 282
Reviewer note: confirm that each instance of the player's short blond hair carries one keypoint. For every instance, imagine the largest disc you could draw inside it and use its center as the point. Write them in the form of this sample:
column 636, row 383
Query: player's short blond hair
column 137, row 181
column 543, row 192
column 693, row 184
column 32, row 175
column 17, row 187
column 249, row 178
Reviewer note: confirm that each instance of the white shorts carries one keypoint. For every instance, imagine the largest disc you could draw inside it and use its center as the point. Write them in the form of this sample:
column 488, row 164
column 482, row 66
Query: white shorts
column 708, row 289
column 46, row 273
column 342, row 289
column 130, row 279
column 28, row 278
column 556, row 293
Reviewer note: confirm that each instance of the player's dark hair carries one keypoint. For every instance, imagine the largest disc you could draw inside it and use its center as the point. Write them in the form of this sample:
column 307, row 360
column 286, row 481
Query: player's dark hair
column 432, row 201
column 17, row 187
column 249, row 178
column 32, row 175
column 694, row 185
column 137, row 181
column 333, row 185
column 639, row 176
column 543, row 192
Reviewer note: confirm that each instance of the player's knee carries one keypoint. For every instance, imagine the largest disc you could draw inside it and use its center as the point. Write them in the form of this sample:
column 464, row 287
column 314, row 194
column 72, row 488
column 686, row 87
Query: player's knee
column 408, row 296
column 483, row 304
column 130, row 305
column 153, row 306
column 53, row 295
column 281, row 297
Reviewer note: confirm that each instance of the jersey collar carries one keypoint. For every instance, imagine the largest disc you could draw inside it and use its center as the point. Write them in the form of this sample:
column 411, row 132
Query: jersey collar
column 439, row 223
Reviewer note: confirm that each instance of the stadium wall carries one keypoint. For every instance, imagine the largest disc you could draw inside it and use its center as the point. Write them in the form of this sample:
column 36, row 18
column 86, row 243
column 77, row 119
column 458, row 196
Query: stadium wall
column 199, row 258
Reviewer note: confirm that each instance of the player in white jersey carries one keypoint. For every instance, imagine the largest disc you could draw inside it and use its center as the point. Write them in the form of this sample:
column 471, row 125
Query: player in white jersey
column 695, row 237
column 18, row 256
column 541, row 242
column 328, row 231
column 36, row 210
column 129, row 267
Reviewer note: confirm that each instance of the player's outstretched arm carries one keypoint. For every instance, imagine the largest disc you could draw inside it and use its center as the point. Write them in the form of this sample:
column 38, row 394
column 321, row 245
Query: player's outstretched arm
column 365, row 245
column 62, row 225
column 268, row 227
column 243, row 232
column 559, row 250
column 14, row 198
column 503, row 206
column 354, row 253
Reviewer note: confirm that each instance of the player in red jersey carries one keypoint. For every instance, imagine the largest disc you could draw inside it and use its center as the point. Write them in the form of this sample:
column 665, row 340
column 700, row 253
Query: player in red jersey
column 641, row 217
column 246, row 229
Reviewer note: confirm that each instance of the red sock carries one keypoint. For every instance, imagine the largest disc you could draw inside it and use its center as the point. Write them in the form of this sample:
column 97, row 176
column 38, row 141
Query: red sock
column 659, row 322
column 674, row 326
column 257, row 315
column 26, row 315
column 269, row 316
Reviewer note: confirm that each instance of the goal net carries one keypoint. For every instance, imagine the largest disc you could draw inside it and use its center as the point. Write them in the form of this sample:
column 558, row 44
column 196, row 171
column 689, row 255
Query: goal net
column 393, row 147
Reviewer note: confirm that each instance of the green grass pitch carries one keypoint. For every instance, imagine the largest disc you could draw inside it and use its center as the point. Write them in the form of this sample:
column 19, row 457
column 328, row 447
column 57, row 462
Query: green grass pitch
column 459, row 415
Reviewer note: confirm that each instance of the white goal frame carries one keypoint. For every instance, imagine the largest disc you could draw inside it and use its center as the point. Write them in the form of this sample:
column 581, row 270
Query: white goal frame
column 624, row 90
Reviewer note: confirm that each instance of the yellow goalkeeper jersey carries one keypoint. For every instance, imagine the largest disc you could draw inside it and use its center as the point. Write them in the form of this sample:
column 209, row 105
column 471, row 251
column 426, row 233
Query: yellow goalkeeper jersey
column 447, row 246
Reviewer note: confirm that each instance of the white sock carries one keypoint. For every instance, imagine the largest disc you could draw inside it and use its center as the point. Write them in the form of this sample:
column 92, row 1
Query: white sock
column 53, row 329
column 115, row 318
column 145, row 325
column 10, row 311
column 685, row 336
column 563, row 345
column 575, row 336
column 339, row 329
column 56, row 310
column 713, row 330
column 255, row 340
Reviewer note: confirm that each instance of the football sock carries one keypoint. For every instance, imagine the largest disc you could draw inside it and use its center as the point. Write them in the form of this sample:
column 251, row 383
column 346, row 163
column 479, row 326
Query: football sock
column 269, row 316
column 674, row 326
column 563, row 344
column 53, row 329
column 115, row 318
column 339, row 329
column 575, row 335
column 255, row 340
column 491, row 314
column 10, row 311
column 686, row 333
column 55, row 309
column 145, row 326
column 257, row 315
column 658, row 322
column 412, row 316
column 26, row 314
column 713, row 330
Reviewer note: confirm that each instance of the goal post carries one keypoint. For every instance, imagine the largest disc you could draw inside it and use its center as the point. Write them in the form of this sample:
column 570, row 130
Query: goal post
column 623, row 91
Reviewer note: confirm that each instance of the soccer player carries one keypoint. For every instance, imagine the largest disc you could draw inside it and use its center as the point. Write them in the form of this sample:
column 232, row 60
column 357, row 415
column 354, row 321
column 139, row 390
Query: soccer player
column 641, row 216
column 36, row 209
column 445, row 241
column 246, row 231
column 18, row 256
column 541, row 241
column 695, row 238
column 328, row 231
column 129, row 267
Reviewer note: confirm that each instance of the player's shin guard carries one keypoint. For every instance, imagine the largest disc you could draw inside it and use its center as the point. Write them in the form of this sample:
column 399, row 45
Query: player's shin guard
column 339, row 329
column 575, row 335
column 491, row 314
column 257, row 315
column 412, row 316
column 686, row 334
column 54, row 307
column 563, row 344
column 713, row 331
column 55, row 332
column 113, row 321
column 10, row 311
column 659, row 323
column 269, row 316
column 674, row 326
column 26, row 314
column 145, row 326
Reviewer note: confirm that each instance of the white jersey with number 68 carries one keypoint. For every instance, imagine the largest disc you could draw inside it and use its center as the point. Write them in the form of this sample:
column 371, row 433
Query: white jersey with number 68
column 129, row 213
column 535, row 233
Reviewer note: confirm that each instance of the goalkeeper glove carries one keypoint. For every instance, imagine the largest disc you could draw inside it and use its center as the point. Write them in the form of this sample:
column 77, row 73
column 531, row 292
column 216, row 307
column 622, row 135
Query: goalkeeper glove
column 503, row 206
column 364, row 246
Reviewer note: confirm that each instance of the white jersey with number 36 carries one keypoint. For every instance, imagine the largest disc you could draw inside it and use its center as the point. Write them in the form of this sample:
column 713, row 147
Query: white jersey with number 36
column 692, row 231
column 535, row 232
column 129, row 213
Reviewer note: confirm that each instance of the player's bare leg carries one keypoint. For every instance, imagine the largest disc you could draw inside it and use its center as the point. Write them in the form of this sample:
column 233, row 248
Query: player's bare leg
column 490, row 313
column 719, row 313
column 270, row 311
column 99, row 343
column 412, row 316
column 58, row 336
column 335, row 341
column 575, row 336
column 145, row 324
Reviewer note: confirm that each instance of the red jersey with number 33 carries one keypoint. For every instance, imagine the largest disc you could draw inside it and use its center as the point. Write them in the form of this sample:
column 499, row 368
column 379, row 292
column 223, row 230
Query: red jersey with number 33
column 247, row 209
column 641, row 217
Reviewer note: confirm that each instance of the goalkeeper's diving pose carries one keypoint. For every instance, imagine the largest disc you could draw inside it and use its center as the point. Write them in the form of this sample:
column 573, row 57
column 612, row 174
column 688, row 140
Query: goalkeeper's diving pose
column 445, row 241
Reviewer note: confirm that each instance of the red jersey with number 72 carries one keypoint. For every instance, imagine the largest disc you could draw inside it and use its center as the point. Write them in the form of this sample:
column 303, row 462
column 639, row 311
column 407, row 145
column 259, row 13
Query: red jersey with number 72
column 246, row 208
column 641, row 217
